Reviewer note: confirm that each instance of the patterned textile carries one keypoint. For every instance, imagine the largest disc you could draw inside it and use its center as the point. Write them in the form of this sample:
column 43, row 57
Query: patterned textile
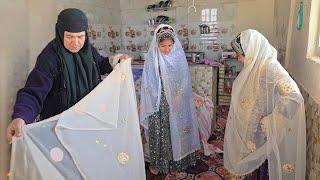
column 165, row 32
column 160, row 142
column 207, row 167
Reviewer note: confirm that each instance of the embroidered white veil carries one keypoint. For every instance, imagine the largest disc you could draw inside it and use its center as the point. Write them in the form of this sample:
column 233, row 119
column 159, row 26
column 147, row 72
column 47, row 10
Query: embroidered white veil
column 266, row 119
column 97, row 138
column 177, row 86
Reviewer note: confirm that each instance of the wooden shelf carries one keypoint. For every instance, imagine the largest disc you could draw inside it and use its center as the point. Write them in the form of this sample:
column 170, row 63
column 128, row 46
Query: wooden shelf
column 160, row 9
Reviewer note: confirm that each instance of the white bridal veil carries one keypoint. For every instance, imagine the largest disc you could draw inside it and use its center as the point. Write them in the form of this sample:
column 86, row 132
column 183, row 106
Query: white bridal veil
column 176, row 80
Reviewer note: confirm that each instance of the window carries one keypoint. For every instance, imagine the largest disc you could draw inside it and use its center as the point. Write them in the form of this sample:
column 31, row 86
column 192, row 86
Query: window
column 209, row 15
column 314, row 31
column 317, row 49
column 210, row 33
column 214, row 14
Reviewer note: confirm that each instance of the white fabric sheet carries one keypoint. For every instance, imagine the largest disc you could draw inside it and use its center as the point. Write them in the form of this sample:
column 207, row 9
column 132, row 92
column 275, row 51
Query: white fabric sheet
column 98, row 138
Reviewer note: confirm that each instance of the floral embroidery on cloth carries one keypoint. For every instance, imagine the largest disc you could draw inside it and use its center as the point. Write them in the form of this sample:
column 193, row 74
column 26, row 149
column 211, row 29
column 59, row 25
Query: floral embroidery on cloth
column 245, row 103
column 288, row 168
column 251, row 146
column 123, row 158
column 285, row 87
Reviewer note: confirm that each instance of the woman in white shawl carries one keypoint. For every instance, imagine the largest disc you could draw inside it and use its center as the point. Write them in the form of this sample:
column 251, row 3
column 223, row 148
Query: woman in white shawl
column 266, row 120
column 167, row 111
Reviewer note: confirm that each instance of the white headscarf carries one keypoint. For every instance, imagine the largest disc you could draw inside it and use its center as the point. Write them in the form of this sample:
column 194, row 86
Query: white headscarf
column 266, row 119
column 175, row 76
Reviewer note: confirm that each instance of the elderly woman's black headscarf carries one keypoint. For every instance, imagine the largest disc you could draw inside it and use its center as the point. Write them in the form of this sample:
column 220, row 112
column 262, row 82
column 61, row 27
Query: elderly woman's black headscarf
column 79, row 69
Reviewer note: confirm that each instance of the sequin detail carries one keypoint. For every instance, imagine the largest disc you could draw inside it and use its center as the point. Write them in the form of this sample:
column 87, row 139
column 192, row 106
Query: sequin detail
column 123, row 158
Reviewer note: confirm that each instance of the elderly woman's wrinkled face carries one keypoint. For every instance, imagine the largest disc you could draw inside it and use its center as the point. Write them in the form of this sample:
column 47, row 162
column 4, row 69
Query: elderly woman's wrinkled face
column 74, row 41
column 165, row 46
column 240, row 57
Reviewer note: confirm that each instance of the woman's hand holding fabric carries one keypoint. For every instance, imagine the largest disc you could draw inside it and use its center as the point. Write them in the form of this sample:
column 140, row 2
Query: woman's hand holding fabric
column 15, row 128
column 125, row 57
column 119, row 57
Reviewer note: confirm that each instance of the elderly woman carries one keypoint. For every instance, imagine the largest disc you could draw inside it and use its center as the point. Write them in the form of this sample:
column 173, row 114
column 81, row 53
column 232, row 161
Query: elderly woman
column 166, row 110
column 266, row 121
column 67, row 69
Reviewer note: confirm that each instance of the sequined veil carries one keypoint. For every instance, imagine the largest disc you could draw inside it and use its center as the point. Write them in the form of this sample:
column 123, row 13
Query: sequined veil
column 266, row 119
column 97, row 138
column 177, row 86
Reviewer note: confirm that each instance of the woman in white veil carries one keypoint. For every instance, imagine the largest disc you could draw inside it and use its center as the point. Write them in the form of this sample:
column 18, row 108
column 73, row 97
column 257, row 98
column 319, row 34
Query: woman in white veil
column 167, row 111
column 266, row 120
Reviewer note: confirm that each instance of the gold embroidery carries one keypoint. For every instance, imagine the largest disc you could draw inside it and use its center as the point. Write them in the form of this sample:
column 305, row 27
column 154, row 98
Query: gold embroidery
column 251, row 146
column 122, row 77
column 123, row 158
column 289, row 129
column 288, row 168
column 236, row 177
column 285, row 87
column 8, row 174
column 244, row 103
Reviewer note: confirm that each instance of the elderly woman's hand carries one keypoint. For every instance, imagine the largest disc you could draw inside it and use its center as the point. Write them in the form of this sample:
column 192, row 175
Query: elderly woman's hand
column 15, row 128
column 125, row 57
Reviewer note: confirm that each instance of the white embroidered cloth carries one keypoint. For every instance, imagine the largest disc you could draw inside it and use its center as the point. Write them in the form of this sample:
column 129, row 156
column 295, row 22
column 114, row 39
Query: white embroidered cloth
column 98, row 138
